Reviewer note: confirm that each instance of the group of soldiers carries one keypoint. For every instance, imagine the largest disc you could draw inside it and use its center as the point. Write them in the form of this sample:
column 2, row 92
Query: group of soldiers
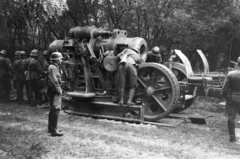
column 27, row 71
column 35, row 73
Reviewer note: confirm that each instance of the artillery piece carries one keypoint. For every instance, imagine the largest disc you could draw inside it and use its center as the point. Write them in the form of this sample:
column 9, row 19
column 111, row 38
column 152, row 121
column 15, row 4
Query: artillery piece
column 162, row 88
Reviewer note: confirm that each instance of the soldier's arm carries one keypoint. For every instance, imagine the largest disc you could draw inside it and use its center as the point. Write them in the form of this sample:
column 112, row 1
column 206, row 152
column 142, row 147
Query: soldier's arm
column 24, row 66
column 53, row 73
column 40, row 69
column 9, row 65
column 226, row 87
column 159, row 59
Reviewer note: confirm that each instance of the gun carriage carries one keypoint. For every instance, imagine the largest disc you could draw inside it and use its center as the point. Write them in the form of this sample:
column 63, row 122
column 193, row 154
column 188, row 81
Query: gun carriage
column 162, row 88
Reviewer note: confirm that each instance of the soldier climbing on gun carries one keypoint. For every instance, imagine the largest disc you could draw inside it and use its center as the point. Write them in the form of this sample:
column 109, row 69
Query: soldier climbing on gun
column 127, row 73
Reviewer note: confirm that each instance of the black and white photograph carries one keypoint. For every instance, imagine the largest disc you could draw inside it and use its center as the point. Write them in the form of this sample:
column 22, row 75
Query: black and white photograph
column 119, row 79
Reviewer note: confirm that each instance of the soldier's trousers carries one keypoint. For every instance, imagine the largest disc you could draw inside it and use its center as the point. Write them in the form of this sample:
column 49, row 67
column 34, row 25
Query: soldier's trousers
column 55, row 101
column 20, row 86
column 34, row 92
column 232, row 109
column 5, row 87
column 127, row 76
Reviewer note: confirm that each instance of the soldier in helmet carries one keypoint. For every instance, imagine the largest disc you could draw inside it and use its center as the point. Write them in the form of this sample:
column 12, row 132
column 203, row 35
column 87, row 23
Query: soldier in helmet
column 231, row 92
column 46, row 60
column 54, row 93
column 15, row 68
column 6, row 70
column 35, row 74
column 20, row 77
column 127, row 73
column 25, row 68
column 45, row 65
column 154, row 55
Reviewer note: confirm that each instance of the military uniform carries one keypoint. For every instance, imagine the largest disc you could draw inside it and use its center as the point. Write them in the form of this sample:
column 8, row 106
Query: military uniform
column 54, row 93
column 231, row 90
column 35, row 74
column 24, row 69
column 154, row 55
column 5, row 74
column 16, row 58
column 19, row 78
column 45, row 65
column 154, row 58
column 127, row 74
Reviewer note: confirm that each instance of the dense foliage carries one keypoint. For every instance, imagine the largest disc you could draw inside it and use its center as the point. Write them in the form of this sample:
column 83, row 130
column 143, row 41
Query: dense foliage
column 212, row 26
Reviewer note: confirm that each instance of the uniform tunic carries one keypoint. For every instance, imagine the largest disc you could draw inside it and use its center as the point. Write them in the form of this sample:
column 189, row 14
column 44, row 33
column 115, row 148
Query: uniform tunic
column 54, row 89
column 231, row 87
column 19, row 77
column 5, row 70
column 127, row 69
column 154, row 58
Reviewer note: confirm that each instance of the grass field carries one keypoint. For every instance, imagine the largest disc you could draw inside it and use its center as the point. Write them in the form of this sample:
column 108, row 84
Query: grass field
column 24, row 135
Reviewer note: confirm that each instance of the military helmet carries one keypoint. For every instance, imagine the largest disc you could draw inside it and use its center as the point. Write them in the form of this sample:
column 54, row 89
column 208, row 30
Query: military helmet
column 3, row 52
column 56, row 56
column 45, row 53
column 155, row 50
column 23, row 53
column 17, row 53
column 34, row 53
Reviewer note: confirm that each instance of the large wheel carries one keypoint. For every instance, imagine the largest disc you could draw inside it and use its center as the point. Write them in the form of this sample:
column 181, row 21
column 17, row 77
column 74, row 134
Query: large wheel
column 158, row 89
column 179, row 71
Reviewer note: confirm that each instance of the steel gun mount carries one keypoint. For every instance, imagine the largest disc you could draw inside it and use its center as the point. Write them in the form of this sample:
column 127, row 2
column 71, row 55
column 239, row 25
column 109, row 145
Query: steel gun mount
column 93, row 87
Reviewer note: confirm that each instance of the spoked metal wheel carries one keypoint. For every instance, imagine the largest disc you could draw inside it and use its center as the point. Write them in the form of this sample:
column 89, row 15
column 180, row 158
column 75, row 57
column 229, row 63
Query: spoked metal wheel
column 158, row 89
column 180, row 73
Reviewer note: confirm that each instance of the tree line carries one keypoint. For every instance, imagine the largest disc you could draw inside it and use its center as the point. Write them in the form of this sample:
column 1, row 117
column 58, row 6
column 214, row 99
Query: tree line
column 212, row 26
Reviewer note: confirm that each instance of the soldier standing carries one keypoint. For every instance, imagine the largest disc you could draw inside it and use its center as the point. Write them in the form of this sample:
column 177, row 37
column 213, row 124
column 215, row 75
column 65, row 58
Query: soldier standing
column 6, row 70
column 127, row 73
column 20, row 77
column 35, row 74
column 231, row 92
column 46, row 63
column 54, row 93
column 16, row 68
column 25, row 68
column 154, row 55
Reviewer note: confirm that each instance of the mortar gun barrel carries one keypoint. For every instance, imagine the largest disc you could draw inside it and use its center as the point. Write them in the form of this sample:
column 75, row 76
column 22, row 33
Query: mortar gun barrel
column 103, row 33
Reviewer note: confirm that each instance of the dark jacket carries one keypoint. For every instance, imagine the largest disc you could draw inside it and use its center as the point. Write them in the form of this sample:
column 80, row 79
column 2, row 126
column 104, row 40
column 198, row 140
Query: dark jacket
column 35, row 69
column 18, row 73
column 232, row 83
column 5, row 67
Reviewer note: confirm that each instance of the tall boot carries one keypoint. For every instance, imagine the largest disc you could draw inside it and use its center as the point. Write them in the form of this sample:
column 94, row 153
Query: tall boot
column 54, row 121
column 121, row 95
column 50, row 121
column 130, row 97
column 231, row 129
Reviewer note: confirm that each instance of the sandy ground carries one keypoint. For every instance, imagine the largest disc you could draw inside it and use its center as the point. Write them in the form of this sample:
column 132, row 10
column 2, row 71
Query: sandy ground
column 24, row 134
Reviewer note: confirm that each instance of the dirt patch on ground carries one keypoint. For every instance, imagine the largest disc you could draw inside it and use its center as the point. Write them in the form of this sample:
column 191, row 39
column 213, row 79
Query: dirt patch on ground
column 24, row 134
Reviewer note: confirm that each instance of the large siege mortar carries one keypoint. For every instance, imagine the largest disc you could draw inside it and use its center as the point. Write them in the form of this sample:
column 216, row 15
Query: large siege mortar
column 162, row 88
